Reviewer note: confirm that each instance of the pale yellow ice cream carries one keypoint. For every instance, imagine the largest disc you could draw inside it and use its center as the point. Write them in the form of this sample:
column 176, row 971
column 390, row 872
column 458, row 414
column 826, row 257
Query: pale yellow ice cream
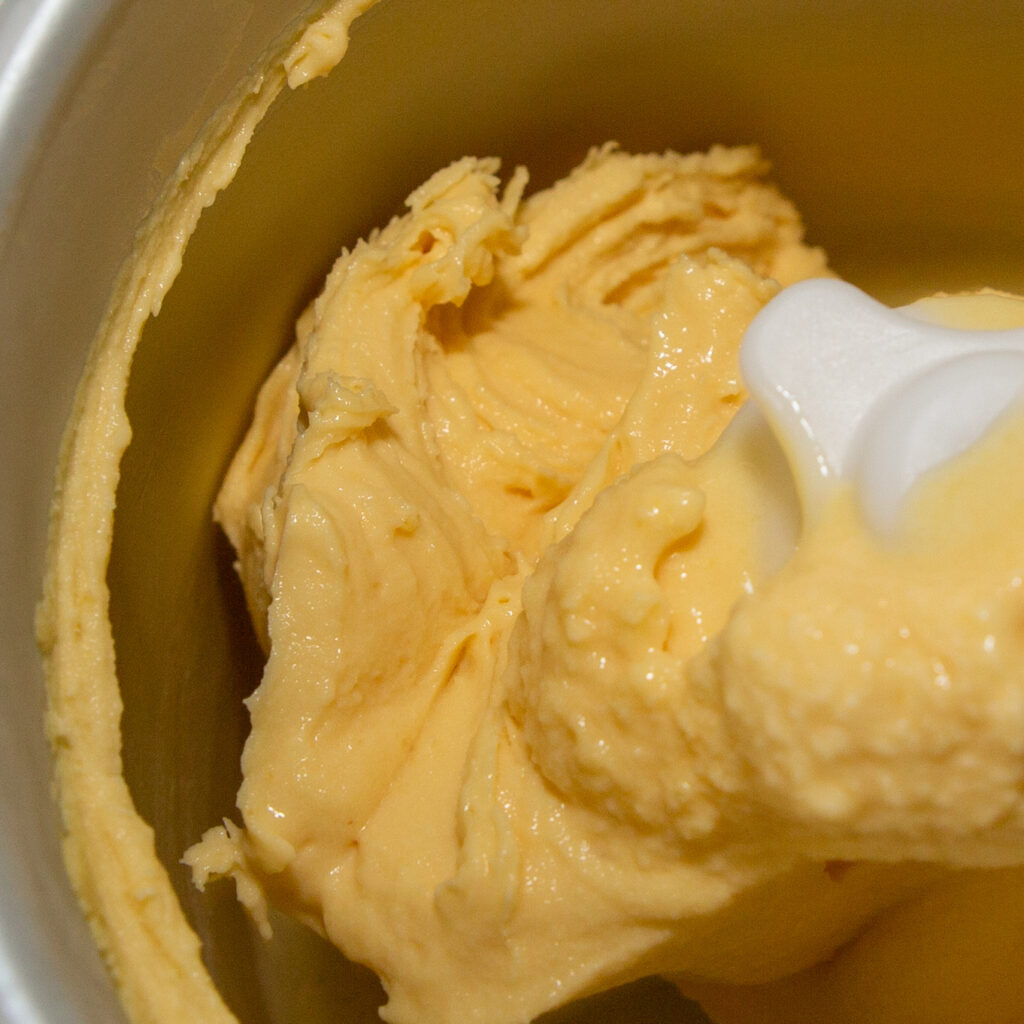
column 538, row 717
column 478, row 556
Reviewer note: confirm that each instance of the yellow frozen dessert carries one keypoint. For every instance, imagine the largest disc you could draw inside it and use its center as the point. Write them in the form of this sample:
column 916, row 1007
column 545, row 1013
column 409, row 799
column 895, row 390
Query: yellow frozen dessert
column 550, row 702
column 467, row 526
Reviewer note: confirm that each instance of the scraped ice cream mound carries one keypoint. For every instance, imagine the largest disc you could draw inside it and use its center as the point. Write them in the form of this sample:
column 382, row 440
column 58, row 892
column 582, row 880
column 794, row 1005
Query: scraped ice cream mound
column 539, row 716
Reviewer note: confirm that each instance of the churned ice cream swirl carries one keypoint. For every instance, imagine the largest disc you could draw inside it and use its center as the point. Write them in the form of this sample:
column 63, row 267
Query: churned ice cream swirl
column 536, row 717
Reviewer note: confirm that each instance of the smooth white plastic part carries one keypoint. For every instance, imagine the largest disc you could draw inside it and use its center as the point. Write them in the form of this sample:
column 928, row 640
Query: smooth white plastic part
column 853, row 390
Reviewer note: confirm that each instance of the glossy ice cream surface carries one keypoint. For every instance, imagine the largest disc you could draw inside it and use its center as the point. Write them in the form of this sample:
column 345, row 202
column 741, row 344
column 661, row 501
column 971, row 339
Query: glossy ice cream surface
column 537, row 717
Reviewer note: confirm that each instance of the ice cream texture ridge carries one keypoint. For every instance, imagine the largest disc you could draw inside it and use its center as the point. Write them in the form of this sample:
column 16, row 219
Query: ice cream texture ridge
column 540, row 714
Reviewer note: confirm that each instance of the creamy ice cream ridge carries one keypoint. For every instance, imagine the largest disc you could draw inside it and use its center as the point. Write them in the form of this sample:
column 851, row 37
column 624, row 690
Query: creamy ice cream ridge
column 543, row 709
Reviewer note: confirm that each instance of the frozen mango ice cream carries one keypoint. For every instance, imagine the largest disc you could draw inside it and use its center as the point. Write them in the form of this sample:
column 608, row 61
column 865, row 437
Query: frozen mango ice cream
column 548, row 704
